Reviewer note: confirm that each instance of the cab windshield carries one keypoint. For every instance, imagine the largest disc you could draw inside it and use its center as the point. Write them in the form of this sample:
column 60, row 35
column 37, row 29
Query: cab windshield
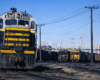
column 11, row 22
column 24, row 23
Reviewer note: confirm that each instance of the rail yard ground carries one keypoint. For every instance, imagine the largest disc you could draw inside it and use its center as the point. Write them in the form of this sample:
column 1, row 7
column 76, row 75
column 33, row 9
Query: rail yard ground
column 55, row 71
column 84, row 71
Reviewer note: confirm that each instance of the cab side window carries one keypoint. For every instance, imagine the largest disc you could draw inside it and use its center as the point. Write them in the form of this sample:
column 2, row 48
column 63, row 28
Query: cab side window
column 1, row 23
column 32, row 25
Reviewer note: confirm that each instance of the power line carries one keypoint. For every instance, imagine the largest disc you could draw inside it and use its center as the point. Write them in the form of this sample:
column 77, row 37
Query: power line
column 72, row 30
column 78, row 22
column 67, row 18
column 64, row 19
column 76, row 29
column 65, row 15
column 68, row 25
column 81, row 21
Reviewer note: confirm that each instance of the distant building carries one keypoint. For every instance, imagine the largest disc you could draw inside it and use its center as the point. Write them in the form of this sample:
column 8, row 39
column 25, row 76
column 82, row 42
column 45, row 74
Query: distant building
column 45, row 47
column 80, row 47
column 99, row 48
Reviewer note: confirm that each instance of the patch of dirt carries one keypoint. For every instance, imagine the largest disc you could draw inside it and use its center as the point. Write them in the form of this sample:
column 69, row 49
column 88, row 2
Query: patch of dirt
column 77, row 73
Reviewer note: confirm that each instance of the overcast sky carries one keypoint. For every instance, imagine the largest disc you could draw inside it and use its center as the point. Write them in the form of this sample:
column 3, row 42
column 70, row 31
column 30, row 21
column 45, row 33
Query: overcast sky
column 65, row 18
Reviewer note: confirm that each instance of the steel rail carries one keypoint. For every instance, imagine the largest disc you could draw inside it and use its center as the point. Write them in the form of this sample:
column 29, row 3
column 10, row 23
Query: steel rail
column 46, row 76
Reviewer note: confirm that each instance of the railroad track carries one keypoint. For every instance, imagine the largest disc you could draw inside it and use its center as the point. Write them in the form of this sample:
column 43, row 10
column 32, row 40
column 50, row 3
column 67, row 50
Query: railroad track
column 46, row 76
column 91, row 67
column 83, row 67
column 80, row 66
column 44, row 73
column 31, row 74
column 87, row 68
column 83, row 71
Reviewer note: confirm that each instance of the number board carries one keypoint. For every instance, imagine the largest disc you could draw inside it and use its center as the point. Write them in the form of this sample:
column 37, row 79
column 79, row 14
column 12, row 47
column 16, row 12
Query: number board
column 10, row 15
column 25, row 16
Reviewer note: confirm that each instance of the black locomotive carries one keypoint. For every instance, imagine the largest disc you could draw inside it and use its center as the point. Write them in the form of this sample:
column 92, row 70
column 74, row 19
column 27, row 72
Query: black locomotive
column 17, row 40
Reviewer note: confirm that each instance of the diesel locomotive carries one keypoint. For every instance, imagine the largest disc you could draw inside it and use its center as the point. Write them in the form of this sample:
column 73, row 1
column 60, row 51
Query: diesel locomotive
column 17, row 40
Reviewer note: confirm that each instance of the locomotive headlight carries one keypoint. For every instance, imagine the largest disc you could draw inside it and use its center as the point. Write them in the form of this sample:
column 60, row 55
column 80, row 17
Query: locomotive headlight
column 18, row 14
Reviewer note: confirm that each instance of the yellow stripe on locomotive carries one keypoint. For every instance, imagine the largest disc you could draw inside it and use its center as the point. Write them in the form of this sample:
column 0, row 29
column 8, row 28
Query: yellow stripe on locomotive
column 17, row 39
column 17, row 34
column 18, row 29
column 17, row 44
column 15, row 52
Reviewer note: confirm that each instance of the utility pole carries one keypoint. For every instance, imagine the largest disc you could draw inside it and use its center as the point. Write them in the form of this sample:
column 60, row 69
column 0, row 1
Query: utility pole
column 40, row 38
column 92, row 31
